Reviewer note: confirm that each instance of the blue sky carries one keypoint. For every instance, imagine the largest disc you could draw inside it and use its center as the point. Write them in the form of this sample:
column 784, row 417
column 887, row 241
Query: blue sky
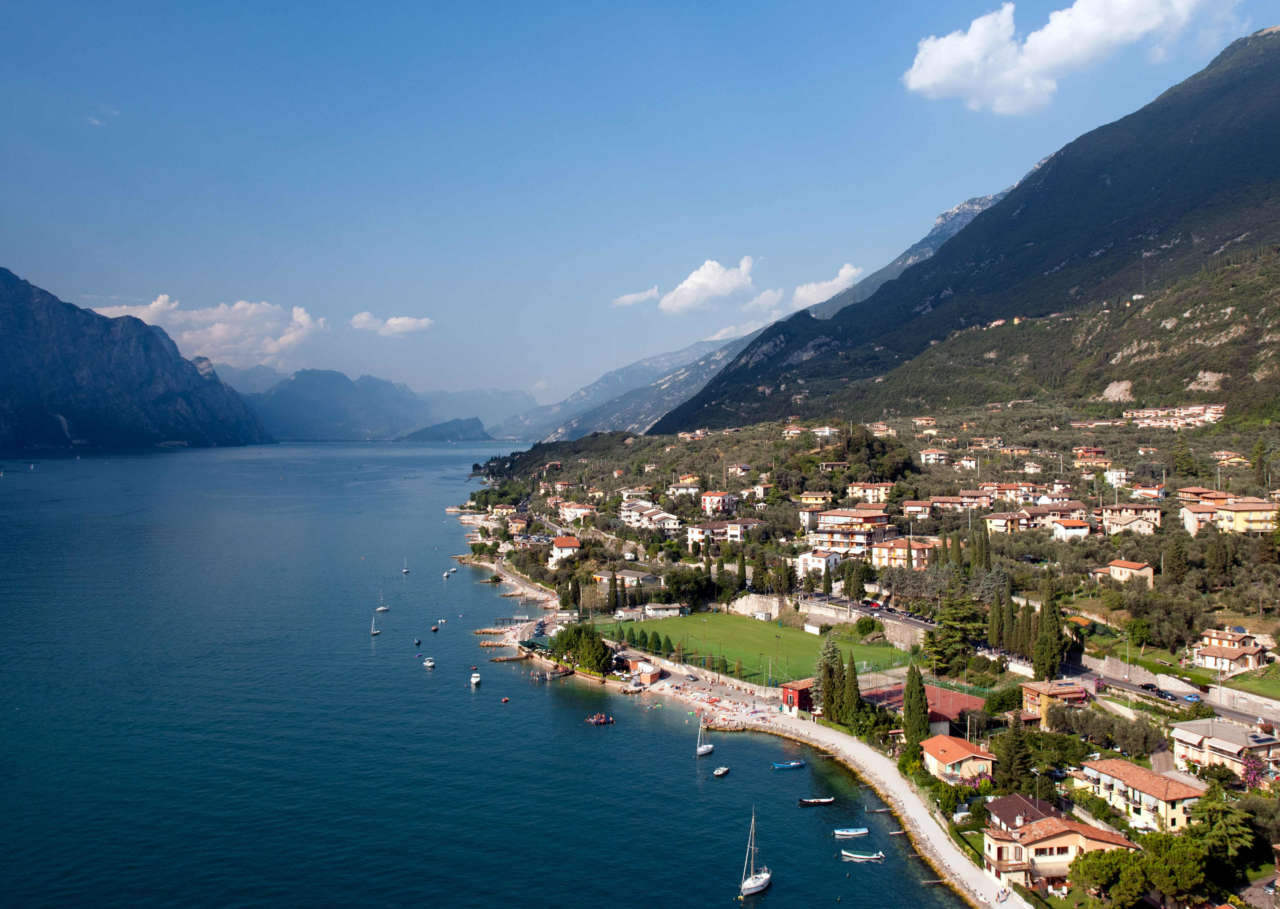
column 476, row 185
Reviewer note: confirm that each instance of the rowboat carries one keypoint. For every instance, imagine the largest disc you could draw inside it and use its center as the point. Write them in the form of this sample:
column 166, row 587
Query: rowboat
column 848, row 833
column 808, row 803
column 787, row 765
column 861, row 856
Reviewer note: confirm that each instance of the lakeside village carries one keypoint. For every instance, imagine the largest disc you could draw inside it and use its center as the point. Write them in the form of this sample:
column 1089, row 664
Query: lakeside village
column 1060, row 628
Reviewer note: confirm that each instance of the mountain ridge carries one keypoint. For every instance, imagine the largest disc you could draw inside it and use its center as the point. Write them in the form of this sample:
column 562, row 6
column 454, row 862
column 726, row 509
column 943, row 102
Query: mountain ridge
column 72, row 378
column 1148, row 198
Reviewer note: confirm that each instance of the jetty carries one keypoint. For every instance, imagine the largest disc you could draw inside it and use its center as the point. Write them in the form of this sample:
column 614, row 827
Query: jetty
column 489, row 631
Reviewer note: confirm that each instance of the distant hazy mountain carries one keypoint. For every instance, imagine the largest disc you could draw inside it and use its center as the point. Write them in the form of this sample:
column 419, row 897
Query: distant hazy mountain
column 249, row 381
column 538, row 421
column 945, row 226
column 640, row 408
column 492, row 406
column 69, row 376
column 323, row 405
column 469, row 430
column 1152, row 197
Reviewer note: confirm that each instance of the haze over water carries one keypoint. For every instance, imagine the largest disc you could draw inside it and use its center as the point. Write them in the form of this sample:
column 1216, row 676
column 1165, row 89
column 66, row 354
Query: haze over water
column 192, row 711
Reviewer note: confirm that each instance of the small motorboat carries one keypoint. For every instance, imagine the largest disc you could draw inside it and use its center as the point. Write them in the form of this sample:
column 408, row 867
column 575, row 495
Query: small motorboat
column 861, row 856
column 848, row 833
column 600, row 719
column 442, row 621
column 417, row 642
column 435, row 628
column 429, row 662
column 787, row 765
column 826, row 800
column 475, row 679
column 506, row 700
column 720, row 771
column 446, row 574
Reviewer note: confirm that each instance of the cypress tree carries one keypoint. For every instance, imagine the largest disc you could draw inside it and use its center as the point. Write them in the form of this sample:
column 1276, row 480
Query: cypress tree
column 613, row 591
column 1050, row 643
column 915, row 708
column 852, row 694
column 631, row 635
column 995, row 633
column 1013, row 769
column 742, row 568
column 826, row 581
column 986, row 547
column 957, row 551
column 575, row 592
column 666, row 645
column 1009, row 626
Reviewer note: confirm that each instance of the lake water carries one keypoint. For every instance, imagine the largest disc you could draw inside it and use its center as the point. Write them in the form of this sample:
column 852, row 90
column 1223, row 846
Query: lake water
column 192, row 711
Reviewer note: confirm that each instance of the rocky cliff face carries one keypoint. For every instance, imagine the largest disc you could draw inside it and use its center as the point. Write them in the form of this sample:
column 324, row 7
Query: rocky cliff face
column 72, row 378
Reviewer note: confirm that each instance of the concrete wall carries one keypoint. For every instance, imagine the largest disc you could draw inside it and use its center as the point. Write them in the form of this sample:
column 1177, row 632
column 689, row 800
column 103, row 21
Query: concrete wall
column 750, row 603
column 1114, row 668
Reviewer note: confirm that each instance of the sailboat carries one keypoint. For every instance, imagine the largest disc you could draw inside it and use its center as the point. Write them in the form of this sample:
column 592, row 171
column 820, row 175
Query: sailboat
column 405, row 569
column 753, row 881
column 704, row 748
column 382, row 606
column 373, row 626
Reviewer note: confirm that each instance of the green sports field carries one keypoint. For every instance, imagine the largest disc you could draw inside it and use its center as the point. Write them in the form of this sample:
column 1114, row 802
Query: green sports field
column 763, row 647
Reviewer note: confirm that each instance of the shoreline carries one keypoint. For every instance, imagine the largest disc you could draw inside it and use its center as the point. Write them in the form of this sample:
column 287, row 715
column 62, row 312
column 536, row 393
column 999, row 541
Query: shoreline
column 930, row 841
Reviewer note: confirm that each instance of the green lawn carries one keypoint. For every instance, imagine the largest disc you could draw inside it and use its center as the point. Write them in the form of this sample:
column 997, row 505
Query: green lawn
column 790, row 651
column 1265, row 681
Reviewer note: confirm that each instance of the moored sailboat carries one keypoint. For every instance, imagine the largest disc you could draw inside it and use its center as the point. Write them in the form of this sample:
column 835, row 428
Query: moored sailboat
column 373, row 626
column 704, row 748
column 753, row 880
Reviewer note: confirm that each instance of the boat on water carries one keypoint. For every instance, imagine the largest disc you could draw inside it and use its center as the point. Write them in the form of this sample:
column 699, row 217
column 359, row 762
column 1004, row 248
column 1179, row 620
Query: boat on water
column 600, row 719
column 475, row 679
column 452, row 570
column 405, row 569
column 848, row 833
column 720, row 771
column 878, row 810
column 382, row 605
column 373, row 626
column 429, row 662
column 704, row 748
column 825, row 800
column 446, row 575
column 435, row 628
column 787, row 765
column 753, row 880
column 861, row 856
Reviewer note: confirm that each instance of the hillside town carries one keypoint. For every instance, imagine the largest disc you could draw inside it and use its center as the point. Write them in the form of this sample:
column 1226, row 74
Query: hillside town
column 1082, row 621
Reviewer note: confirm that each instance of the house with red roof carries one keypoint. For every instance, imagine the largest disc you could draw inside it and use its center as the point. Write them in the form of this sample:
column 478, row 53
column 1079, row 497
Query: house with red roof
column 1038, row 854
column 563, row 548
column 953, row 759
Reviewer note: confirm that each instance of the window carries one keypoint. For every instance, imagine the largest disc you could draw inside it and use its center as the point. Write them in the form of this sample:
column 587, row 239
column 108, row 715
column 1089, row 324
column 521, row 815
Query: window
column 1062, row 850
column 1044, row 850
column 1173, row 822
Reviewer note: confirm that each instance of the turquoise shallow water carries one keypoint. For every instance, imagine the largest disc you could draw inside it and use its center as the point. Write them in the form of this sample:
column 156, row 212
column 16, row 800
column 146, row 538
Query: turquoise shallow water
column 192, row 712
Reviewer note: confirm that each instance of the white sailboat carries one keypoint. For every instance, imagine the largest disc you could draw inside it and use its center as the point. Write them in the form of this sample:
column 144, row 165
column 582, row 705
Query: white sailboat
column 753, row 881
column 704, row 748
column 373, row 626
column 405, row 569
column 382, row 606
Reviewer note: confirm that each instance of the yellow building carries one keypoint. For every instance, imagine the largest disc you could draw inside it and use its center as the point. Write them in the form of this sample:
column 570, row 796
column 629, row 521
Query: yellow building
column 1038, row 697
column 1246, row 516
column 1148, row 800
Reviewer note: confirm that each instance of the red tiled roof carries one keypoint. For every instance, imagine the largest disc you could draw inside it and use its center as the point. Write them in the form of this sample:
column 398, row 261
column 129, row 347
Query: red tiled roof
column 566, row 543
column 1132, row 566
column 948, row 749
column 1144, row 780
column 1049, row 827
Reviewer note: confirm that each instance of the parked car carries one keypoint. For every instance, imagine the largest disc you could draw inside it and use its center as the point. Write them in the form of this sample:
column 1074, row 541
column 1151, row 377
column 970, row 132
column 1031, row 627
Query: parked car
column 1269, row 887
column 1164, row 695
column 1147, row 686
column 1191, row 698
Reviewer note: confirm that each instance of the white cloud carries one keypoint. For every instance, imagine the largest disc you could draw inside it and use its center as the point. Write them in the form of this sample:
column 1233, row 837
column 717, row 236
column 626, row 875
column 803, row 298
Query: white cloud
column 808, row 294
column 640, row 297
column 990, row 69
column 764, row 301
column 729, row 332
column 708, row 281
column 241, row 333
column 102, row 116
column 395, row 325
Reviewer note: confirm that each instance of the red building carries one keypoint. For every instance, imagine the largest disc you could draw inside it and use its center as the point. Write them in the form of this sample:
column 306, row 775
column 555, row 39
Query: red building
column 797, row 696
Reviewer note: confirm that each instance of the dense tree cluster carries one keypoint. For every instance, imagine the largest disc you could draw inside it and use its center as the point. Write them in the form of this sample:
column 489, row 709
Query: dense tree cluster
column 1107, row 730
